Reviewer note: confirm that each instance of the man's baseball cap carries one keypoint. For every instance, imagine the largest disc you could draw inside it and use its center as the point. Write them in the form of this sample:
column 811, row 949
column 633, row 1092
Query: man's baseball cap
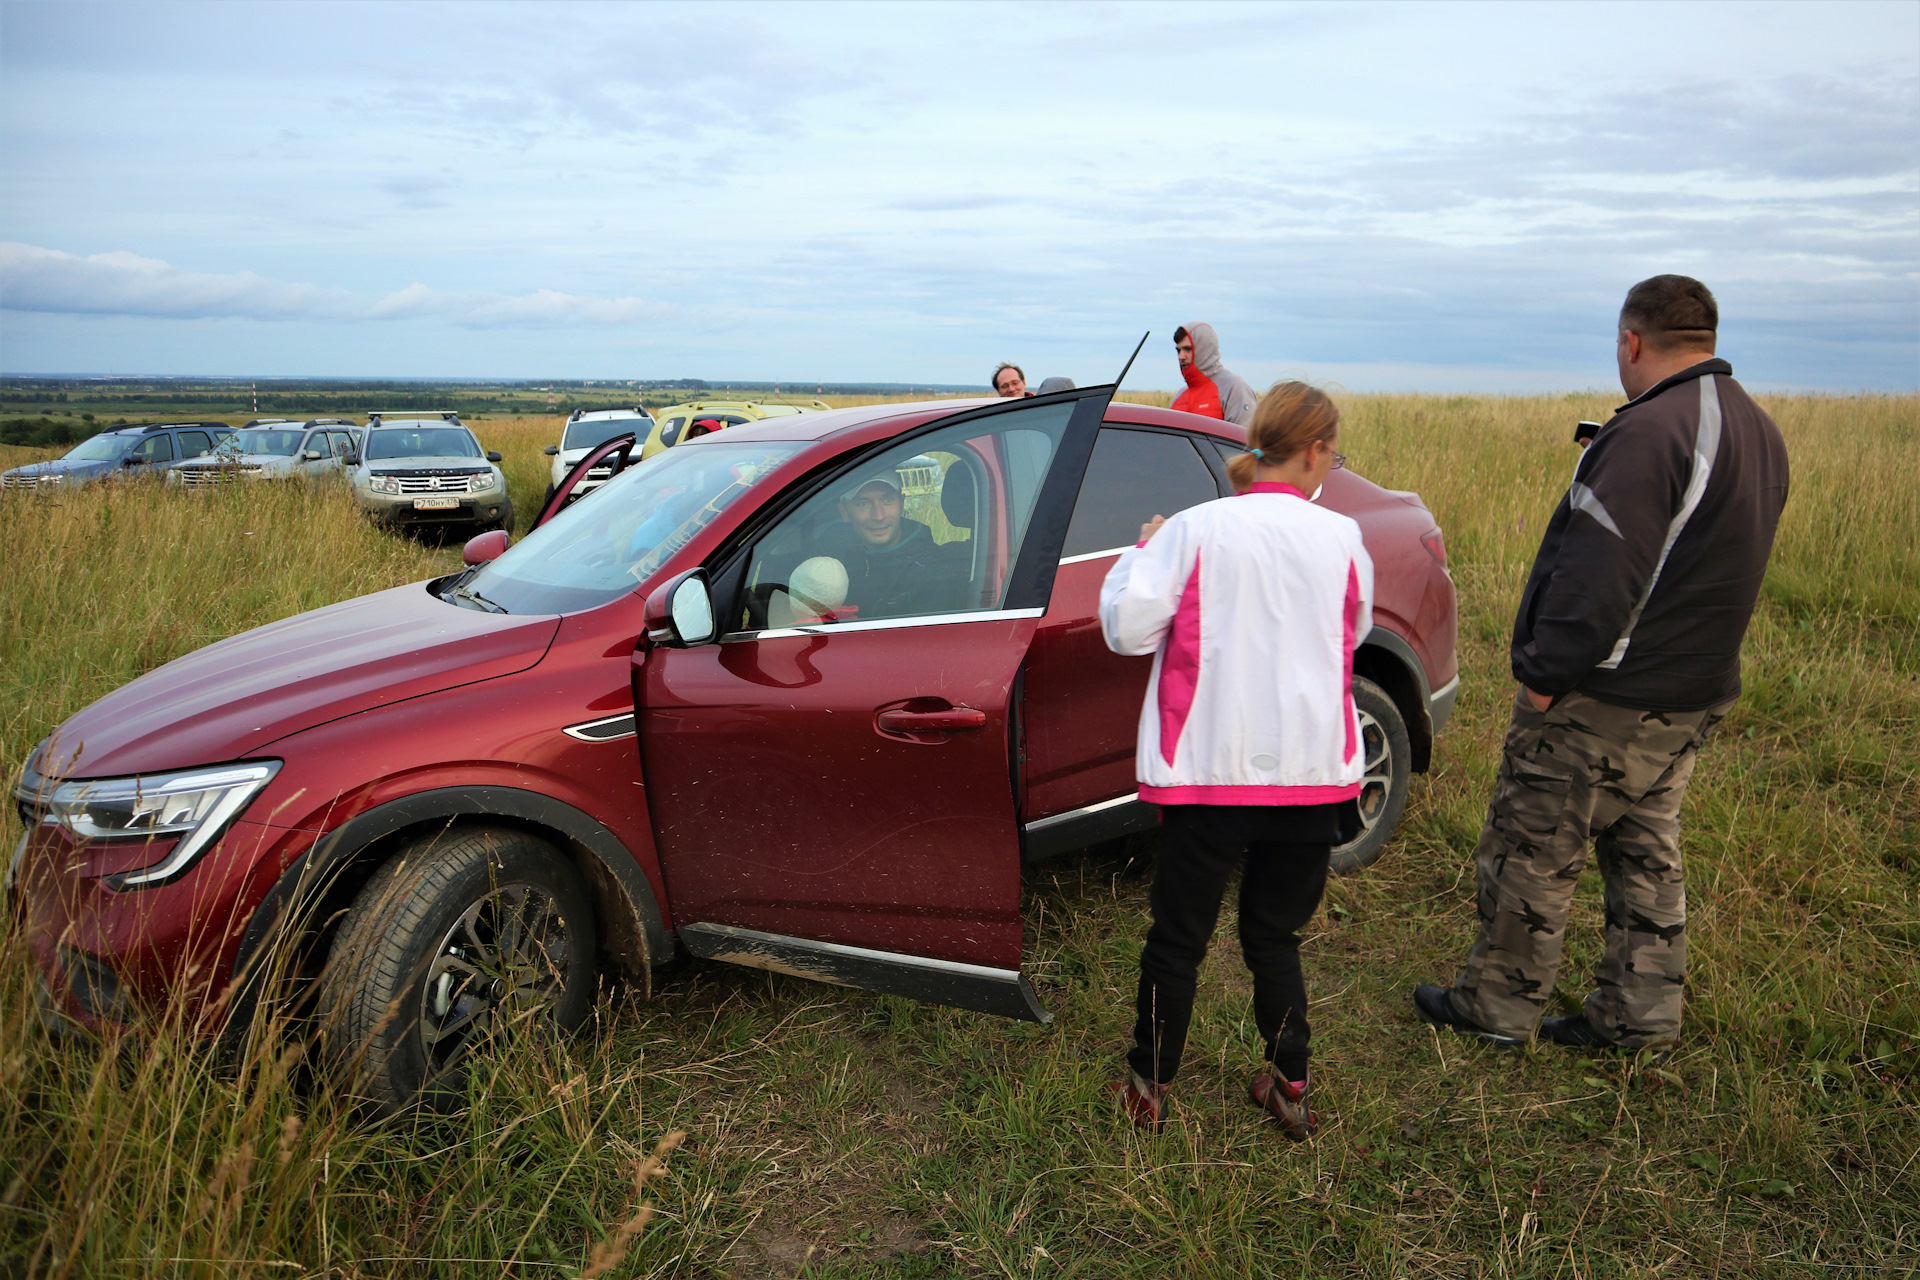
column 886, row 476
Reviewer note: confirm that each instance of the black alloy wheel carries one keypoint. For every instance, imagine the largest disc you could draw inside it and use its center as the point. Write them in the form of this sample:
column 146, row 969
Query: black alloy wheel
column 1388, row 756
column 459, row 939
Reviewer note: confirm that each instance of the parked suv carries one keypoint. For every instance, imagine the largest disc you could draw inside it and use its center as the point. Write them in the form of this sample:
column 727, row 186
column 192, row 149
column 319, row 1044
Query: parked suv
column 314, row 450
column 697, row 418
column 586, row 428
column 416, row 471
column 122, row 452
column 673, row 719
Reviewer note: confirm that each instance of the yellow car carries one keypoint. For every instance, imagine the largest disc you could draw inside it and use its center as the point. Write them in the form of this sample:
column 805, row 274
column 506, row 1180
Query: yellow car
column 696, row 418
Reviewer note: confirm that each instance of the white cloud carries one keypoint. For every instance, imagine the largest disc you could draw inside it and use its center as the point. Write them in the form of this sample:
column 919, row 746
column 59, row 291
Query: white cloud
column 120, row 283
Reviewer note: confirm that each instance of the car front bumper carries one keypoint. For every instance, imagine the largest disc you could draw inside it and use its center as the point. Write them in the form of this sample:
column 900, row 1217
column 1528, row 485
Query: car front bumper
column 484, row 508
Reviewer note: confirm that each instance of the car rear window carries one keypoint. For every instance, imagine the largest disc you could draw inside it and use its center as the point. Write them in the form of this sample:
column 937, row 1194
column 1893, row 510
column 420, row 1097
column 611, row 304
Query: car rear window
column 585, row 435
column 1133, row 477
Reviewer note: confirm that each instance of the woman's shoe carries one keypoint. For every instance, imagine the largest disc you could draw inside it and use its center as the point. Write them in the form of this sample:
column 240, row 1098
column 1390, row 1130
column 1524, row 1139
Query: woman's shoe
column 1142, row 1101
column 1285, row 1101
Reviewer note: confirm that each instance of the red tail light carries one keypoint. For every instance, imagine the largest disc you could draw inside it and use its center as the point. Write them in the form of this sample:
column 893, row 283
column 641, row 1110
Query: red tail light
column 1436, row 546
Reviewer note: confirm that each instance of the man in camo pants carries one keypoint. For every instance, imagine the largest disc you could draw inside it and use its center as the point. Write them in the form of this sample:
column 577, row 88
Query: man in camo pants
column 1627, row 649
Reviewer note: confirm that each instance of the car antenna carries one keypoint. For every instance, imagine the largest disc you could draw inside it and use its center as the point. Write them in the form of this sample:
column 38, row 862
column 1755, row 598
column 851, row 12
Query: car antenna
column 1130, row 359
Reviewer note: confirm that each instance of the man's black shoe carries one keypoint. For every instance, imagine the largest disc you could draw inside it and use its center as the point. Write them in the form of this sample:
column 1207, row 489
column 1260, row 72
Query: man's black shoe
column 1435, row 1005
column 1575, row 1032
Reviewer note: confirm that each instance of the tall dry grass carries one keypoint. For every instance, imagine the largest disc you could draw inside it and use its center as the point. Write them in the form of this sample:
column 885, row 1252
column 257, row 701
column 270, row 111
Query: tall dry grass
column 854, row 1135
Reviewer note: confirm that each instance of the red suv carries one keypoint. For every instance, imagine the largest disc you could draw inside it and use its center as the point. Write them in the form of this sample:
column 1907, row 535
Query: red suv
column 804, row 695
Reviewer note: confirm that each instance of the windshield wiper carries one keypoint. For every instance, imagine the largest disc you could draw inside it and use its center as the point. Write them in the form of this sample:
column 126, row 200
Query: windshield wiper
column 479, row 601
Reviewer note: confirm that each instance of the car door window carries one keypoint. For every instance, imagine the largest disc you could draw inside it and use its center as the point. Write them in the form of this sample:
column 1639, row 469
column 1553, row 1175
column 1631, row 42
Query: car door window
column 155, row 448
column 1227, row 450
column 930, row 526
column 339, row 443
column 195, row 444
column 1133, row 477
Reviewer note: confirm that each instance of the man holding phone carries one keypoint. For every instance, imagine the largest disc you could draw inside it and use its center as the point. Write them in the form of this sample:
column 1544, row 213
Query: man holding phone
column 1627, row 649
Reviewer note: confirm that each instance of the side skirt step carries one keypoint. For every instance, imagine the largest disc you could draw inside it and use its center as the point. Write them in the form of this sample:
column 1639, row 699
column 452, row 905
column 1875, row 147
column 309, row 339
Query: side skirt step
column 1083, row 828
column 1003, row 992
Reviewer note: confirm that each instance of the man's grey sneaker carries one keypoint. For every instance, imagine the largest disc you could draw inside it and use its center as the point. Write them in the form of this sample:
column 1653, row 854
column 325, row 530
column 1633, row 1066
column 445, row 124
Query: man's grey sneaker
column 1435, row 1005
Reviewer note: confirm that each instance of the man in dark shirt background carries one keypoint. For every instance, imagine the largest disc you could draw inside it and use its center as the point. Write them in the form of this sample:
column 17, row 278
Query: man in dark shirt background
column 1627, row 649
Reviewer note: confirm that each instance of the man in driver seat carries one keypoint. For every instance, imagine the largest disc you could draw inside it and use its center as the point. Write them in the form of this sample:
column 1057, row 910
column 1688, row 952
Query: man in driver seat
column 894, row 567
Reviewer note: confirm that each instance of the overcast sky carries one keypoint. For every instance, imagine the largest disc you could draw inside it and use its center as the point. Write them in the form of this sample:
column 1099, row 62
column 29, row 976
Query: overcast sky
column 1417, row 196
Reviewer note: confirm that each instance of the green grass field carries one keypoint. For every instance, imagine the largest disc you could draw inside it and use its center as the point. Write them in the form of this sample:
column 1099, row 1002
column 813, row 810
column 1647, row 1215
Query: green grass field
column 835, row 1133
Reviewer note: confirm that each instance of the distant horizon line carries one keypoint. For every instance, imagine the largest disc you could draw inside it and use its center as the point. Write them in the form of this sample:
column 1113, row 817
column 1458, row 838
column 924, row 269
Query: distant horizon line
column 822, row 386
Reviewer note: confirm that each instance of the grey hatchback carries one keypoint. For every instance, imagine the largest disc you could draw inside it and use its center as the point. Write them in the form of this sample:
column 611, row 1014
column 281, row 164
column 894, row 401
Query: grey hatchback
column 149, row 450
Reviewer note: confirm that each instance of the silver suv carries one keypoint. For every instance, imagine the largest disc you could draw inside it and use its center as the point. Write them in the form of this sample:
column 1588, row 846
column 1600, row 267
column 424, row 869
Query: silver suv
column 269, row 450
column 585, row 430
column 416, row 471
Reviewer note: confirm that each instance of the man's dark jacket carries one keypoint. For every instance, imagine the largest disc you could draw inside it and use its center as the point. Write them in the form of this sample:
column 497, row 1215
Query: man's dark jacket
column 1649, row 569
column 914, row 575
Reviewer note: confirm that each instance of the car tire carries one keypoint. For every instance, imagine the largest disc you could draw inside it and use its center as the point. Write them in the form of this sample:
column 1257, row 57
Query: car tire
column 1388, row 756
column 429, row 964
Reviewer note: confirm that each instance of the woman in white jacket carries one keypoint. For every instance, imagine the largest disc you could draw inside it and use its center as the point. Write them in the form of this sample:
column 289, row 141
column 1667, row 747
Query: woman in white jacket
column 1251, row 606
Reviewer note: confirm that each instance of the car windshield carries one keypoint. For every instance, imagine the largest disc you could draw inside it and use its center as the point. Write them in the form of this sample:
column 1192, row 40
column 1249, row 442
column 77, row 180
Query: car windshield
column 421, row 442
column 260, row 440
column 106, row 448
column 607, row 544
column 585, row 435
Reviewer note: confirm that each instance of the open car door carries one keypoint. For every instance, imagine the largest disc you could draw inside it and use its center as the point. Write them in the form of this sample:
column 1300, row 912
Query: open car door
column 832, row 782
column 610, row 456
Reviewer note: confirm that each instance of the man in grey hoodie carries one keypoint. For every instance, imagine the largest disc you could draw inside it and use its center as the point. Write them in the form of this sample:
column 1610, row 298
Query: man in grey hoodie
column 1213, row 390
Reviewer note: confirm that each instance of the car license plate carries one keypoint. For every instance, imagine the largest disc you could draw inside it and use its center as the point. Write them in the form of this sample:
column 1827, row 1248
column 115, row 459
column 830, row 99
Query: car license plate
column 435, row 504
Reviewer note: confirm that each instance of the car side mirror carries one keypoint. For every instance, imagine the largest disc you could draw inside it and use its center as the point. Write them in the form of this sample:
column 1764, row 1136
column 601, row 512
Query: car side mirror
column 492, row 456
column 313, row 455
column 679, row 614
column 485, row 547
column 552, row 450
column 350, row 458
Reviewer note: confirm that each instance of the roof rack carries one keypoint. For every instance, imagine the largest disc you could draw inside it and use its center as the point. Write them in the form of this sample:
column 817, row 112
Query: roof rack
column 639, row 409
column 445, row 415
column 162, row 426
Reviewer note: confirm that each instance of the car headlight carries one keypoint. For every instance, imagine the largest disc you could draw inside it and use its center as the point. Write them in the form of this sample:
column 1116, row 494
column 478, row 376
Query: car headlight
column 195, row 805
column 480, row 482
column 384, row 484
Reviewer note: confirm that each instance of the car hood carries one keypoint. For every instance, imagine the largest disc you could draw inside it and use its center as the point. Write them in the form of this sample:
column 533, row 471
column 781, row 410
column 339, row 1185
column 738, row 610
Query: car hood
column 230, row 700
column 382, row 466
column 65, row 467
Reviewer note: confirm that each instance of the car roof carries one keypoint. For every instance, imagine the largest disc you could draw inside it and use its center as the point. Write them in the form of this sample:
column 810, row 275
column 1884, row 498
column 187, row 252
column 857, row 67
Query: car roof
column 818, row 426
column 603, row 415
